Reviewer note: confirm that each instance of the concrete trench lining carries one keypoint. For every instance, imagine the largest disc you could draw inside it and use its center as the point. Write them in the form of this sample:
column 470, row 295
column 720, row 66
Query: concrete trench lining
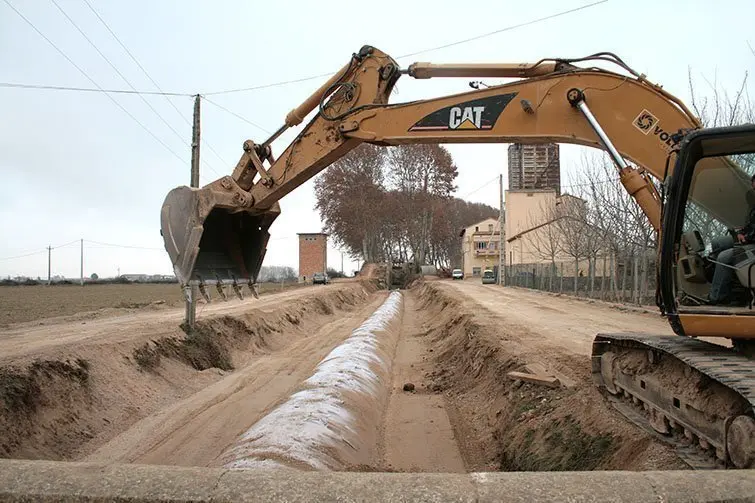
column 332, row 421
column 64, row 482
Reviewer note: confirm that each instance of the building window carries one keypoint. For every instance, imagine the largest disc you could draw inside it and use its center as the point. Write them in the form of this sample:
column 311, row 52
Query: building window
column 480, row 245
column 490, row 227
column 477, row 229
column 476, row 271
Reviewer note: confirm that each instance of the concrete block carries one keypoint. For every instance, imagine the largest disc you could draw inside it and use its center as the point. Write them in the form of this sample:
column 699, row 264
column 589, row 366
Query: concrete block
column 560, row 487
column 272, row 487
column 703, row 485
column 22, row 481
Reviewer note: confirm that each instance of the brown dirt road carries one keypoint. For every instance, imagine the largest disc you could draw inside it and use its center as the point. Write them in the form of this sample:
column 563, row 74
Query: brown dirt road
column 570, row 324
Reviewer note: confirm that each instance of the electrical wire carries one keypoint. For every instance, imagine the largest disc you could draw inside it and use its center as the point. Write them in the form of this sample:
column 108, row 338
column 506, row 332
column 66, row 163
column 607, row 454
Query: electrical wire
column 24, row 255
column 42, row 250
column 60, row 51
column 508, row 28
column 144, row 71
column 128, row 83
column 235, row 115
column 480, row 187
column 415, row 53
column 122, row 246
column 86, row 89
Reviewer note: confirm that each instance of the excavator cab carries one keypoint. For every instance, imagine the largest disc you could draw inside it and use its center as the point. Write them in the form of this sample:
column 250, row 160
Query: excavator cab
column 708, row 243
column 212, row 238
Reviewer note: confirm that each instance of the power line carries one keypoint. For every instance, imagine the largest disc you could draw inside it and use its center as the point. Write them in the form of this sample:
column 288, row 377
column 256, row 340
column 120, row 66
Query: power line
column 144, row 71
column 7, row 2
column 24, row 255
column 123, row 77
column 273, row 84
column 42, row 250
column 87, row 89
column 507, row 28
column 236, row 115
column 495, row 179
column 122, row 246
column 279, row 83
column 444, row 46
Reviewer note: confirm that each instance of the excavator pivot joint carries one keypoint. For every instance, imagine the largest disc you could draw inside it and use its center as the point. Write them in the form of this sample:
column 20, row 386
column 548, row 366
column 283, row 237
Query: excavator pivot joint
column 349, row 126
column 575, row 96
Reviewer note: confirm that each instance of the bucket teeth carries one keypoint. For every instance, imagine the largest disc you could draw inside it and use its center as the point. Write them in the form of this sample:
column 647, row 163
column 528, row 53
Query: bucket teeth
column 255, row 289
column 237, row 289
column 187, row 292
column 204, row 292
column 221, row 291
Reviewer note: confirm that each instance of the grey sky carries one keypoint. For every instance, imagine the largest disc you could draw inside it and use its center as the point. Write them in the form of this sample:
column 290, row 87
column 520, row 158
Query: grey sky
column 74, row 166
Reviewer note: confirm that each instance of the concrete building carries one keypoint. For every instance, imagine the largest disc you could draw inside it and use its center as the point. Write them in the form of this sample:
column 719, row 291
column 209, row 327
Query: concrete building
column 480, row 245
column 534, row 166
column 531, row 233
column 313, row 254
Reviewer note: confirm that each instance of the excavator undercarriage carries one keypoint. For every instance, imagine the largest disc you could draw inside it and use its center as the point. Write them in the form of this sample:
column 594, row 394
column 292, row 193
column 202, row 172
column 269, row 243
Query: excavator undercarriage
column 693, row 393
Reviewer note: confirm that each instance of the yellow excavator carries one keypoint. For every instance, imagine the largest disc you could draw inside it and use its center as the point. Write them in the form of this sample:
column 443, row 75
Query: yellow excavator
column 695, row 186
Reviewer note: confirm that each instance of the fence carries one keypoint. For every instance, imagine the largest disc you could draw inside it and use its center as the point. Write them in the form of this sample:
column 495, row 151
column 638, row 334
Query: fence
column 628, row 281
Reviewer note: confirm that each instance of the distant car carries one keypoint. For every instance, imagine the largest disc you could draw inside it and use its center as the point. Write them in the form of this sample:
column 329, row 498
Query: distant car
column 320, row 278
column 488, row 277
column 457, row 274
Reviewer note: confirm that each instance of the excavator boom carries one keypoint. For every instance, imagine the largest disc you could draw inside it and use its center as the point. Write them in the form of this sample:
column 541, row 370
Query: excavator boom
column 201, row 227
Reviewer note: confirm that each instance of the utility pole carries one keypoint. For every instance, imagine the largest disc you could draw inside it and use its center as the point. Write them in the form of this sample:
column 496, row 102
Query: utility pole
column 191, row 304
column 49, row 265
column 501, row 222
column 82, row 262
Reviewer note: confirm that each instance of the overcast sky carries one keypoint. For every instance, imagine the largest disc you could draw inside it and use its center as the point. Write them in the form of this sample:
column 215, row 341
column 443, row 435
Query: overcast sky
column 75, row 166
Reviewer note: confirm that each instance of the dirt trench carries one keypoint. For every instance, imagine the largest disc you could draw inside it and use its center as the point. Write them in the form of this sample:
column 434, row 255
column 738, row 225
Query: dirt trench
column 65, row 402
column 137, row 390
column 510, row 425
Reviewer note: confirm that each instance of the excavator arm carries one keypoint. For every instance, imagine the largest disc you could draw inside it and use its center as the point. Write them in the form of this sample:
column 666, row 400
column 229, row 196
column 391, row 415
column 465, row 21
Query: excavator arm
column 636, row 121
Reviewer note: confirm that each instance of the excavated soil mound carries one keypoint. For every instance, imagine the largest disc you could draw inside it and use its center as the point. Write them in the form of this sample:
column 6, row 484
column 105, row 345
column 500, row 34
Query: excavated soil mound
column 512, row 425
column 65, row 405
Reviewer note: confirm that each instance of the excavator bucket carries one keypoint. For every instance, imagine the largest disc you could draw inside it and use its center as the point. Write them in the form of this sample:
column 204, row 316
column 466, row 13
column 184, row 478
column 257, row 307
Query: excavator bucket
column 213, row 237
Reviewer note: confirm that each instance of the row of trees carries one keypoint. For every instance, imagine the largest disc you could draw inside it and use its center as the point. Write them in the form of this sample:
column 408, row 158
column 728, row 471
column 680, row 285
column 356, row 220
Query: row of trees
column 277, row 274
column 396, row 203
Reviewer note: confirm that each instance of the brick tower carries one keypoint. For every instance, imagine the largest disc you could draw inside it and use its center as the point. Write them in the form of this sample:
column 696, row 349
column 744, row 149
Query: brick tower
column 313, row 254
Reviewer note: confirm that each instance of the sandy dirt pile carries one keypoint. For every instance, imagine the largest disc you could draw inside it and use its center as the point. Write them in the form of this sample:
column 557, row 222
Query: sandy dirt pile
column 63, row 401
column 514, row 426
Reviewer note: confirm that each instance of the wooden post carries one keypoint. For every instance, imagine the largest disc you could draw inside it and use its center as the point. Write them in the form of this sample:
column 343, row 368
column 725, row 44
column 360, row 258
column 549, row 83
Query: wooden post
column 82, row 262
column 501, row 242
column 191, row 304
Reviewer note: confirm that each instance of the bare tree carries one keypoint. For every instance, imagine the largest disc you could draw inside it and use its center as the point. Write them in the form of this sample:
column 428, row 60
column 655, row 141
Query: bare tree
column 547, row 241
column 572, row 226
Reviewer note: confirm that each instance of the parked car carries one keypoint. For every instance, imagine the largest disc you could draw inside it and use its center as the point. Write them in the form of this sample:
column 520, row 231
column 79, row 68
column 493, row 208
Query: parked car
column 457, row 274
column 488, row 277
column 320, row 278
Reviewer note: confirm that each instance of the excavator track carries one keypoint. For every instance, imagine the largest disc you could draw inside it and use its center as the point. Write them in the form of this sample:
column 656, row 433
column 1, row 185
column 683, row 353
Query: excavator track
column 697, row 396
